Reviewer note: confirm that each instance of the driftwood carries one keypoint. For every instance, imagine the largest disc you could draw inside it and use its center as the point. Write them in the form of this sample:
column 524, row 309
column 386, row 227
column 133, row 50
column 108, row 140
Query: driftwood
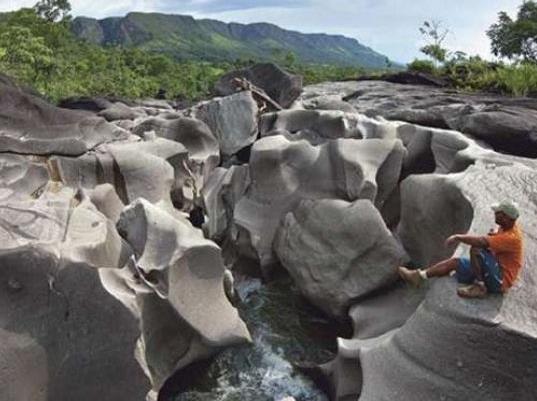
column 264, row 101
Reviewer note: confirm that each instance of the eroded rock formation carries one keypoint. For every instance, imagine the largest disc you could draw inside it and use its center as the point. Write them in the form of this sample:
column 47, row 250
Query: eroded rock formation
column 337, row 251
column 109, row 290
column 284, row 172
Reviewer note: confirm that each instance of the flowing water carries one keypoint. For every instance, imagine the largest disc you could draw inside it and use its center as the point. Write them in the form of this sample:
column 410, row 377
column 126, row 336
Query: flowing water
column 285, row 330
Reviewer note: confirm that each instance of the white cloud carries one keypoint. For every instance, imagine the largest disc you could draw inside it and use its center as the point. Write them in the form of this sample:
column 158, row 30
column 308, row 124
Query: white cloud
column 10, row 5
column 388, row 26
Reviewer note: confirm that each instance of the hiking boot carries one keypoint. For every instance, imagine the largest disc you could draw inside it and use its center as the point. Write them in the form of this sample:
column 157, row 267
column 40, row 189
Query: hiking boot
column 472, row 291
column 412, row 277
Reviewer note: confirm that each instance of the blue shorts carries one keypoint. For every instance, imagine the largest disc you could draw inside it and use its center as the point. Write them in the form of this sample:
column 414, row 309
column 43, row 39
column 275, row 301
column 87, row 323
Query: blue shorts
column 492, row 271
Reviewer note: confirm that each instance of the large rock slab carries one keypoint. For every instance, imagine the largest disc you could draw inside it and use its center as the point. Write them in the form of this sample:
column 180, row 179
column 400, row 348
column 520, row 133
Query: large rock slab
column 186, row 316
column 194, row 134
column 337, row 251
column 153, row 169
column 374, row 320
column 222, row 191
column 63, row 335
column 281, row 86
column 442, row 195
column 283, row 172
column 30, row 125
column 317, row 126
column 459, row 332
column 120, row 111
column 508, row 124
column 327, row 102
column 150, row 169
column 385, row 311
column 232, row 120
column 21, row 177
column 509, row 129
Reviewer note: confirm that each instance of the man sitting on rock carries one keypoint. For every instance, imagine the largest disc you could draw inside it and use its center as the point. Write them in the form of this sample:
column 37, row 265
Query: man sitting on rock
column 495, row 259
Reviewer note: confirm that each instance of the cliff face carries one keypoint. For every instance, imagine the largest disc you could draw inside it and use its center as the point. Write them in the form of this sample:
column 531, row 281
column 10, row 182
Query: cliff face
column 187, row 38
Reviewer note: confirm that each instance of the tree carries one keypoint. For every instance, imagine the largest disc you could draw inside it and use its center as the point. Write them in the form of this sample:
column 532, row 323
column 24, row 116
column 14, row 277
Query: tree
column 516, row 39
column 26, row 55
column 53, row 10
column 434, row 34
column 290, row 59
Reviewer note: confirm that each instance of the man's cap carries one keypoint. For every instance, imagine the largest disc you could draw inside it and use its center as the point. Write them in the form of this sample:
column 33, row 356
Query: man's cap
column 507, row 207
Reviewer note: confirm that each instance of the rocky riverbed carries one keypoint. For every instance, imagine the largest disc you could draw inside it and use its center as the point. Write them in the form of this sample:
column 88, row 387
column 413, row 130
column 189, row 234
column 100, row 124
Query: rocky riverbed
column 114, row 290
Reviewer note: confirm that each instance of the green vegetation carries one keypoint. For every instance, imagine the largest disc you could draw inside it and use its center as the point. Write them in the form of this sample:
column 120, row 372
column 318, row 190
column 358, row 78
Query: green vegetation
column 38, row 48
column 435, row 35
column 514, row 40
column 186, row 38
column 44, row 54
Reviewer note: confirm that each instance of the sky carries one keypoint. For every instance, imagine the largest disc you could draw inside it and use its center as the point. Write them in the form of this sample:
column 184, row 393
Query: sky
column 388, row 26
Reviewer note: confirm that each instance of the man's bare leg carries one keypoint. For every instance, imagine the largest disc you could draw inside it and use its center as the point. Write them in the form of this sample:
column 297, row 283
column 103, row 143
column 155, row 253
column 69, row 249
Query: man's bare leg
column 442, row 268
column 416, row 277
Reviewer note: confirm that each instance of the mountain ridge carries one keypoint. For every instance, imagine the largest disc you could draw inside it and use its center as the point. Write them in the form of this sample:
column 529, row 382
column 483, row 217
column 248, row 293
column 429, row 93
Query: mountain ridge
column 184, row 37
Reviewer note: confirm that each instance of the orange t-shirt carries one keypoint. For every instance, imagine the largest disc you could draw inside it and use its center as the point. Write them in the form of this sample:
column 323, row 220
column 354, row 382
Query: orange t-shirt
column 507, row 247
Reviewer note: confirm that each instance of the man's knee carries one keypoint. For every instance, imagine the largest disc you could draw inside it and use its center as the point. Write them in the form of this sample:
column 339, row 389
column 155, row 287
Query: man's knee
column 453, row 262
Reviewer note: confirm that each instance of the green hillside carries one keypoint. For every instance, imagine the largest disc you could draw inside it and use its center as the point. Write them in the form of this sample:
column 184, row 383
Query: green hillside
column 186, row 38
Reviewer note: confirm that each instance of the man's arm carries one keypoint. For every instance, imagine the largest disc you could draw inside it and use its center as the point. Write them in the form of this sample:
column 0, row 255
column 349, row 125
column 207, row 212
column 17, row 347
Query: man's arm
column 472, row 240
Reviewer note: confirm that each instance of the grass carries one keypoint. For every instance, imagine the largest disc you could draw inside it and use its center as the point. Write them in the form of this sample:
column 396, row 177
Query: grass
column 476, row 74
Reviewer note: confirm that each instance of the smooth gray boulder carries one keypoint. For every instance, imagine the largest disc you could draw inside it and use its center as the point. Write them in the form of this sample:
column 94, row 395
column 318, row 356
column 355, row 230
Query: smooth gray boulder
column 26, row 377
column 221, row 192
column 43, row 220
column 195, row 135
column 63, row 336
column 106, row 200
column 120, row 111
column 281, row 86
column 30, row 125
column 374, row 320
column 385, row 311
column 232, row 120
column 153, row 169
column 337, row 252
column 447, row 151
column 437, row 348
column 21, row 177
column 508, row 124
column 442, row 194
column 186, row 315
column 325, row 124
column 284, row 172
column 328, row 102
column 341, row 378
column 509, row 129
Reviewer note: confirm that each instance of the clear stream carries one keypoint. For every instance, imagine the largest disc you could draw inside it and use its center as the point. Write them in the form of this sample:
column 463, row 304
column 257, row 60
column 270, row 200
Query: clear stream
column 285, row 329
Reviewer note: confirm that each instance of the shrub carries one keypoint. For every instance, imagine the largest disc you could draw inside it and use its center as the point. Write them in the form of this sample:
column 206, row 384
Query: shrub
column 467, row 73
column 519, row 80
column 426, row 66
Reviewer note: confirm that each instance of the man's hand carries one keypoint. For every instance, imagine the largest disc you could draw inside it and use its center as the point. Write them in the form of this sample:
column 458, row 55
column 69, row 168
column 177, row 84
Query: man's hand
column 452, row 240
